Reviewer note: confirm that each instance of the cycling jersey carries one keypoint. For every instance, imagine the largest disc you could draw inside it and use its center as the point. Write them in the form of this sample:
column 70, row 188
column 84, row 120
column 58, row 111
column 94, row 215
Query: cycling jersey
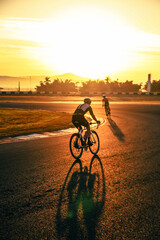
column 78, row 118
column 105, row 101
column 83, row 108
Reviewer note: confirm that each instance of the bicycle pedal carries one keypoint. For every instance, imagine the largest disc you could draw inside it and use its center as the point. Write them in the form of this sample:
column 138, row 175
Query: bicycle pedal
column 89, row 144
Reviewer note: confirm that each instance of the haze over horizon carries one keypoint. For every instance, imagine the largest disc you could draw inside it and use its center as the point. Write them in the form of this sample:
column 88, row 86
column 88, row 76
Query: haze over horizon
column 96, row 39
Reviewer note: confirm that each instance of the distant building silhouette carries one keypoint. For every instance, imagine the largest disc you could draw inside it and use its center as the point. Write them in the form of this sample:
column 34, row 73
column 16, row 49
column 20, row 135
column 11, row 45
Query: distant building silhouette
column 19, row 87
column 149, row 83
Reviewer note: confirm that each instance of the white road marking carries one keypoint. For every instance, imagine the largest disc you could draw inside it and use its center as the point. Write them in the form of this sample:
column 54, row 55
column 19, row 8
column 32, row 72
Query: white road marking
column 45, row 134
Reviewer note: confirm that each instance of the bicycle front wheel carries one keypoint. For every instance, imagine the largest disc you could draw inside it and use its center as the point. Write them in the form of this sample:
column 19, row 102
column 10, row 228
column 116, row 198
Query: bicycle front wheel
column 75, row 146
column 94, row 139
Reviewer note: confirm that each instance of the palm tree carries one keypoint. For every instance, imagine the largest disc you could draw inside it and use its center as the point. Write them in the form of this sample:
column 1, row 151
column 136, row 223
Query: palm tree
column 107, row 79
column 47, row 80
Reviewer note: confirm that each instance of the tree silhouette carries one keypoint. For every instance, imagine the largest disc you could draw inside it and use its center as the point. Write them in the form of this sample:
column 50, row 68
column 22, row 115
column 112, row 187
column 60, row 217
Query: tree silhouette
column 47, row 80
column 107, row 79
column 105, row 85
column 155, row 86
column 56, row 85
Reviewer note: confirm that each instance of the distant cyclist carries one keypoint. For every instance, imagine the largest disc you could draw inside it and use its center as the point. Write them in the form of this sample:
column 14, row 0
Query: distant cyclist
column 105, row 104
column 79, row 120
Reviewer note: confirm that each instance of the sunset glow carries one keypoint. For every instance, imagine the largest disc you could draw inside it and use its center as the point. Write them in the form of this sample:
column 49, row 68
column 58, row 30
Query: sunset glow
column 88, row 40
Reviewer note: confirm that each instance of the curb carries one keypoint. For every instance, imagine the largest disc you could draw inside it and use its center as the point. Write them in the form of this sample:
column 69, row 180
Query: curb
column 43, row 135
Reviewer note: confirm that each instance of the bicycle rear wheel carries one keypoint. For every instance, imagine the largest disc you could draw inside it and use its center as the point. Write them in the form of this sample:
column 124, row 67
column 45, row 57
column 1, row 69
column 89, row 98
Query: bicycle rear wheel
column 107, row 112
column 94, row 139
column 76, row 146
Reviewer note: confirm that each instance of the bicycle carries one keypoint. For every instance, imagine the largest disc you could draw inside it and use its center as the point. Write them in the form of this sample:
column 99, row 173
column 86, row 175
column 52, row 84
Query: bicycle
column 108, row 112
column 77, row 143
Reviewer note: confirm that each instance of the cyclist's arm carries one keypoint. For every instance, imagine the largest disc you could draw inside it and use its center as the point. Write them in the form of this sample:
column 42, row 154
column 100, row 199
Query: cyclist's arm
column 92, row 115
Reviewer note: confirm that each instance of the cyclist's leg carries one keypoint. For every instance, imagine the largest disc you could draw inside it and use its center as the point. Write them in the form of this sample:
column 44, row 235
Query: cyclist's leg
column 109, row 112
column 85, row 123
column 76, row 122
column 88, row 132
column 106, row 110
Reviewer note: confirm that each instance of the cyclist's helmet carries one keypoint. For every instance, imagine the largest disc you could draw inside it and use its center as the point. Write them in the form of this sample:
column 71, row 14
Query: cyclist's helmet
column 87, row 100
column 104, row 96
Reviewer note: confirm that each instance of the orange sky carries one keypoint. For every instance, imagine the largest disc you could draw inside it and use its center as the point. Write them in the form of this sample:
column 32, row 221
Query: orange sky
column 88, row 38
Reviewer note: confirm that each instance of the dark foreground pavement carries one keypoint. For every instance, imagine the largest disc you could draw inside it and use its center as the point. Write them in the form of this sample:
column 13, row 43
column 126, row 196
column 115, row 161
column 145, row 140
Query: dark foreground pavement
column 45, row 194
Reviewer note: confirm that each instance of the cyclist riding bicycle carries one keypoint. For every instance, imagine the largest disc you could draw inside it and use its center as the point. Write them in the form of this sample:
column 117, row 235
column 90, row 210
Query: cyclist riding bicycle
column 79, row 120
column 105, row 103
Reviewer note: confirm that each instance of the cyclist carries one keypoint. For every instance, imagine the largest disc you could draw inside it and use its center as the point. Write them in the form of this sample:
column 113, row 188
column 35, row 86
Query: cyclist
column 105, row 103
column 79, row 120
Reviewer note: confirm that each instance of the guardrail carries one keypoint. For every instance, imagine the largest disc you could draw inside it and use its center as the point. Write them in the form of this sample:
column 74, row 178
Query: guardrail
column 76, row 93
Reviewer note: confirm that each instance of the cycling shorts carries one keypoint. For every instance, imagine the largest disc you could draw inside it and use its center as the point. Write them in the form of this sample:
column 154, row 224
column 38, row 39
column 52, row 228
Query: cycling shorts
column 79, row 121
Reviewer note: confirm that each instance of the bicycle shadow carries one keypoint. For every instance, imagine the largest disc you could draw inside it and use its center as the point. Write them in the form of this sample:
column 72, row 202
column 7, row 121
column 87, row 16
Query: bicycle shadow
column 81, row 201
column 116, row 130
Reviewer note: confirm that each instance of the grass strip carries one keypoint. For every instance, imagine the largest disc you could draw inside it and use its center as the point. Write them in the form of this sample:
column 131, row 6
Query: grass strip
column 14, row 122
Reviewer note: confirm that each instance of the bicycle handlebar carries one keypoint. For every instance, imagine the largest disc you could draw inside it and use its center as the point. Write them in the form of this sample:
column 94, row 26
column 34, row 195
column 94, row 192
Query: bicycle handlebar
column 92, row 123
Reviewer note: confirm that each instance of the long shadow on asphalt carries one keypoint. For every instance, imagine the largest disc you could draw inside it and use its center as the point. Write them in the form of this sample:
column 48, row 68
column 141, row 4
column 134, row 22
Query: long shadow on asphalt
column 81, row 201
column 116, row 130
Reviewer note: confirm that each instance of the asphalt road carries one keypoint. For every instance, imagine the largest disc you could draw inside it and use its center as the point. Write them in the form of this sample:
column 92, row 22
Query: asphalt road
column 45, row 194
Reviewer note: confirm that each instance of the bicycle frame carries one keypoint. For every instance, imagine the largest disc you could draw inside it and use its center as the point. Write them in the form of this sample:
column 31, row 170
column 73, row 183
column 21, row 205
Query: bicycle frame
column 83, row 129
column 93, row 137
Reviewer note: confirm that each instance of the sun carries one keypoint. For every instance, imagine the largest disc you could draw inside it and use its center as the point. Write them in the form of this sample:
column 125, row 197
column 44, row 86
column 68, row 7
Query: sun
column 87, row 41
